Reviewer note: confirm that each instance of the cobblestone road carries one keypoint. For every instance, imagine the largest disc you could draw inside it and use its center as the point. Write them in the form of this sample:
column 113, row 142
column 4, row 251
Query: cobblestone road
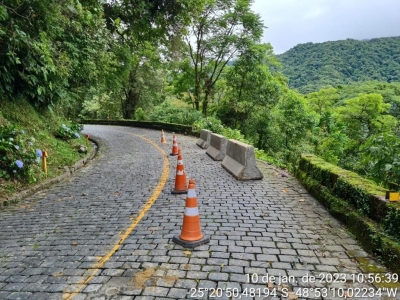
column 82, row 238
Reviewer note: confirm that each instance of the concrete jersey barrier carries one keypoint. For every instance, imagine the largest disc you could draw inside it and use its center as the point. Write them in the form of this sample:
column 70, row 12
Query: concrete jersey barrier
column 240, row 161
column 204, row 140
column 217, row 148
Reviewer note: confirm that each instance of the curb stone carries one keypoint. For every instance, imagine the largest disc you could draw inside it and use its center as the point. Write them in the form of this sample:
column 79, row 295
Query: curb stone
column 17, row 197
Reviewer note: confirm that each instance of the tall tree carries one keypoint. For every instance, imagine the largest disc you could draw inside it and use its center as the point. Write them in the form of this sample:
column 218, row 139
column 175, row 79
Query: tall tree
column 293, row 123
column 216, row 35
column 141, row 28
column 251, row 83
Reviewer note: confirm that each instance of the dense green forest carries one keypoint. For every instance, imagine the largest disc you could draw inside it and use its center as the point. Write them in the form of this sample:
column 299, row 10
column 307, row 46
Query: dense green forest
column 200, row 63
column 310, row 66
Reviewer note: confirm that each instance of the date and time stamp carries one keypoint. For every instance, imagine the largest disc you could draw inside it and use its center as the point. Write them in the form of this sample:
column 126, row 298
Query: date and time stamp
column 319, row 287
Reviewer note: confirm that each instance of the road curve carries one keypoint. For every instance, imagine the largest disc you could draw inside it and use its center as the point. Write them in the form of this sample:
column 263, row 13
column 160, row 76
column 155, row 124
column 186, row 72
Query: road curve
column 106, row 233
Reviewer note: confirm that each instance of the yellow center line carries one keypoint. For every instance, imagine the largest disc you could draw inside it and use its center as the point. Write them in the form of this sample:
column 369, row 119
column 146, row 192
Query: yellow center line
column 161, row 183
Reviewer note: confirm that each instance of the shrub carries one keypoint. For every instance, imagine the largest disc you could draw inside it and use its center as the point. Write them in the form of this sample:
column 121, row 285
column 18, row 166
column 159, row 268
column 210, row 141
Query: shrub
column 380, row 158
column 140, row 115
column 261, row 155
column 17, row 154
column 168, row 113
column 67, row 133
column 76, row 126
column 210, row 123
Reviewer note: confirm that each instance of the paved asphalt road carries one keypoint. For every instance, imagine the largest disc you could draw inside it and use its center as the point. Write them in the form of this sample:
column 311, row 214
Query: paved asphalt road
column 106, row 233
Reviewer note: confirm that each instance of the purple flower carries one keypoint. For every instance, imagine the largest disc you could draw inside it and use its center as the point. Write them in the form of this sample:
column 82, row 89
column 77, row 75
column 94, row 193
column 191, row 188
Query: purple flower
column 19, row 164
column 39, row 152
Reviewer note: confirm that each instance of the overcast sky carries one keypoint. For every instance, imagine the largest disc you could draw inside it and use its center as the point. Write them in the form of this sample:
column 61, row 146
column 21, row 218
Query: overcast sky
column 292, row 22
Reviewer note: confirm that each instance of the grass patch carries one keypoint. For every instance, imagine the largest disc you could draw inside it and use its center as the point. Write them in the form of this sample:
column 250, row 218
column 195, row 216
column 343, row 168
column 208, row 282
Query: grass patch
column 41, row 127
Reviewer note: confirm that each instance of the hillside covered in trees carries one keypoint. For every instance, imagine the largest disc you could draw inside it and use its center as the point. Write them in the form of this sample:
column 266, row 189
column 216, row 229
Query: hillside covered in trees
column 310, row 66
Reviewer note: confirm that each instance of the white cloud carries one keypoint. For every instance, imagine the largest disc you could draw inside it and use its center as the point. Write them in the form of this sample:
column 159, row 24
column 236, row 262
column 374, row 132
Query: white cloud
column 315, row 12
column 291, row 22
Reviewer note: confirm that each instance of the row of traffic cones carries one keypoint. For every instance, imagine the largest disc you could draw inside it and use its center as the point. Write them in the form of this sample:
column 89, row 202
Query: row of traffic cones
column 191, row 235
column 180, row 178
column 175, row 149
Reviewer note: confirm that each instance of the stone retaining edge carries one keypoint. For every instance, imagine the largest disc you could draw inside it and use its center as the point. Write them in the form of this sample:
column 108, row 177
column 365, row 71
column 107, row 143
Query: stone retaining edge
column 15, row 198
column 366, row 231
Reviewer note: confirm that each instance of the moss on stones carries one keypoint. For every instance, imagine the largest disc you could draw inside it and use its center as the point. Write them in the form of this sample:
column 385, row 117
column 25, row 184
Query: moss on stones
column 358, row 203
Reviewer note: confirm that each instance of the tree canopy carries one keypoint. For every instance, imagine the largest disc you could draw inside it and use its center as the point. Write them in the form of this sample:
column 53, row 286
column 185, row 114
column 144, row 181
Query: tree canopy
column 311, row 67
column 216, row 34
column 50, row 51
column 201, row 63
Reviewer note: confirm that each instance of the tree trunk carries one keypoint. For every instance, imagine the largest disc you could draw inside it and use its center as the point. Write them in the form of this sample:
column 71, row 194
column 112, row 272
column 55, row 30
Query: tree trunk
column 208, row 90
column 197, row 96
column 260, row 142
column 130, row 104
column 205, row 101
column 205, row 106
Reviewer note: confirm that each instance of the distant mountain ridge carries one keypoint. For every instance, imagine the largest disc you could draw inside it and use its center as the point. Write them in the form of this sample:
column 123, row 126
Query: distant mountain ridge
column 312, row 66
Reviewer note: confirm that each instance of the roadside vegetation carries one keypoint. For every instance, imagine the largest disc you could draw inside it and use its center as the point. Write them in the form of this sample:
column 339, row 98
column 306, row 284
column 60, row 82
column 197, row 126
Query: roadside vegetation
column 24, row 134
column 190, row 62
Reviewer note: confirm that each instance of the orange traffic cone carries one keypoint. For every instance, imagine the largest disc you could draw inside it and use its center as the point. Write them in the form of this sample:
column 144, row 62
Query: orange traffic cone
column 180, row 178
column 163, row 141
column 174, row 145
column 191, row 235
